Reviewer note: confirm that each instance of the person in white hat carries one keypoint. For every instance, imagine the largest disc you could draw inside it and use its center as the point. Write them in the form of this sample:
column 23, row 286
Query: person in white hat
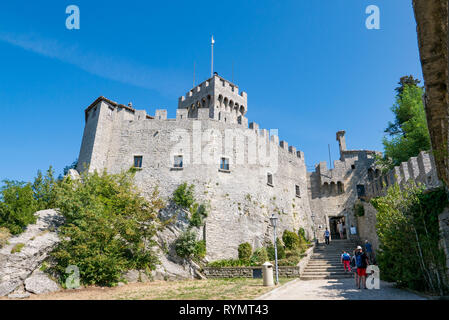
column 362, row 263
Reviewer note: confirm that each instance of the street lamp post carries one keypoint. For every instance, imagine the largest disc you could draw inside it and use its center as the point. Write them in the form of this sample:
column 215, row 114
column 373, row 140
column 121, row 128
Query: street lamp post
column 273, row 221
column 314, row 230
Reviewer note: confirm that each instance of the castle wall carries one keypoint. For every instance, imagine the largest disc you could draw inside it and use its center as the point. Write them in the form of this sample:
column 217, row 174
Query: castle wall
column 241, row 201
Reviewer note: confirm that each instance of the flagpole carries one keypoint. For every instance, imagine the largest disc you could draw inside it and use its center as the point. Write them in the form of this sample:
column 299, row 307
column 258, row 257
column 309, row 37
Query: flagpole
column 212, row 57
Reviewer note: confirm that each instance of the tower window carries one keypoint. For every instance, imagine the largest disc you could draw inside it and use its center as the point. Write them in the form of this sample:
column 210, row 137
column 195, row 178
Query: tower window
column 353, row 166
column 224, row 164
column 297, row 191
column 269, row 179
column 178, row 162
column 137, row 161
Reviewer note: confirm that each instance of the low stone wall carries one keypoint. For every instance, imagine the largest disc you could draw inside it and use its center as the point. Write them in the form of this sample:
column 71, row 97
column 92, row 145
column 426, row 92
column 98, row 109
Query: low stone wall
column 305, row 260
column 247, row 272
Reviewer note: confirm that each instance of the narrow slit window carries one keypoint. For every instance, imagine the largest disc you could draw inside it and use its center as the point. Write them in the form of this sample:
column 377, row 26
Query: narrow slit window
column 178, row 162
column 297, row 191
column 269, row 179
column 137, row 161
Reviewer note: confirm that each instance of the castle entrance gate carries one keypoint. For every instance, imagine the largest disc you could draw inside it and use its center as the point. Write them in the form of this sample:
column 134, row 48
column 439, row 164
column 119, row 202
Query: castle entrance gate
column 333, row 221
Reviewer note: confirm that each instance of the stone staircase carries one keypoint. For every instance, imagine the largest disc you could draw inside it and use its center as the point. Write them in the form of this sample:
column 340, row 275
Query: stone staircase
column 325, row 262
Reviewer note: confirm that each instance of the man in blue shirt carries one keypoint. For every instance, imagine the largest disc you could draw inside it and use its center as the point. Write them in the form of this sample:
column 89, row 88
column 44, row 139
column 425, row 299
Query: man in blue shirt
column 369, row 251
column 326, row 236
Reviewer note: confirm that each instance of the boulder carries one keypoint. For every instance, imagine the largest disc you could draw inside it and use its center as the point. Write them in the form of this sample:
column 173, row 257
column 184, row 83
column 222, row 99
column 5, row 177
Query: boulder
column 131, row 276
column 39, row 283
column 38, row 241
column 73, row 174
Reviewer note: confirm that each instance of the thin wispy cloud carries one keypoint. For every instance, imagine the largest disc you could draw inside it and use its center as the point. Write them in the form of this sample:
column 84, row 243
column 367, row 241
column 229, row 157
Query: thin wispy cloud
column 167, row 82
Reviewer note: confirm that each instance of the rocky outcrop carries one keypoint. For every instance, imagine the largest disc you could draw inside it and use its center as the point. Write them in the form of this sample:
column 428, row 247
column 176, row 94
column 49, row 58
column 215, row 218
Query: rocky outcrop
column 26, row 252
column 22, row 257
column 432, row 28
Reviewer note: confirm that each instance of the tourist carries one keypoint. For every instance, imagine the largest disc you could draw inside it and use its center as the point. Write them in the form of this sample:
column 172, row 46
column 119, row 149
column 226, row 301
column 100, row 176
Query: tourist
column 346, row 260
column 369, row 251
column 340, row 229
column 362, row 263
column 326, row 236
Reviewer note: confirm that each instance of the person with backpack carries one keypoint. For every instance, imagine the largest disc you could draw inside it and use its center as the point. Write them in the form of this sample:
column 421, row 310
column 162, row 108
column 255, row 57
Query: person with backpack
column 362, row 263
column 326, row 236
column 346, row 260
column 369, row 251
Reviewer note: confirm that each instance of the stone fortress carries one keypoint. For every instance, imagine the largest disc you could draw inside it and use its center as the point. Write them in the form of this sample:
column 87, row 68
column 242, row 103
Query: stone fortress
column 244, row 173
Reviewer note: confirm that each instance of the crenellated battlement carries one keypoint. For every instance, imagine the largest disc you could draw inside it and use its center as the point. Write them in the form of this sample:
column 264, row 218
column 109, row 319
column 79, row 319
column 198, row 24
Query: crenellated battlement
column 420, row 169
column 221, row 97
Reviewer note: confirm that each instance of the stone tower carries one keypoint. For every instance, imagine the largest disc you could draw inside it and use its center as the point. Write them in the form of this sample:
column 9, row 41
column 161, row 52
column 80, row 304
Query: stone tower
column 216, row 98
column 341, row 142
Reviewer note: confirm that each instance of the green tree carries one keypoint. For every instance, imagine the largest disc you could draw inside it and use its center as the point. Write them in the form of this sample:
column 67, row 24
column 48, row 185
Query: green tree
column 408, row 134
column 109, row 227
column 17, row 206
column 44, row 189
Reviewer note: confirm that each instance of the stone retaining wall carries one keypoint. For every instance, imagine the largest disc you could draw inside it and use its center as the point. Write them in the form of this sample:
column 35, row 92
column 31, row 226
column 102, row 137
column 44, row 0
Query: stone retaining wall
column 247, row 272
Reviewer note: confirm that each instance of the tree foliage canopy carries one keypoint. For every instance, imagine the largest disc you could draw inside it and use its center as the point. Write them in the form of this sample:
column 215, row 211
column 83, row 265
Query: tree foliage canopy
column 408, row 134
column 109, row 227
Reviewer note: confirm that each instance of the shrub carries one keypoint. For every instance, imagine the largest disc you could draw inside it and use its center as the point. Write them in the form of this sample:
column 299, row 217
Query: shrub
column 109, row 227
column 198, row 214
column 245, row 251
column 408, row 230
column 183, row 195
column 291, row 240
column 17, row 206
column 260, row 256
column 17, row 248
column 280, row 249
column 4, row 236
column 359, row 210
column 228, row 263
column 200, row 249
column 185, row 245
column 290, row 261
column 302, row 235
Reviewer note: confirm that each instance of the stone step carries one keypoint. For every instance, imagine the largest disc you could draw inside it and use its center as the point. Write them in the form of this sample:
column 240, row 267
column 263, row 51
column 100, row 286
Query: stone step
column 326, row 260
column 330, row 268
column 324, row 277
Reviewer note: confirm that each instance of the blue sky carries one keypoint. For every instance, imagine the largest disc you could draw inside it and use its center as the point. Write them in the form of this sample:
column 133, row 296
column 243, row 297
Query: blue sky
column 310, row 68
